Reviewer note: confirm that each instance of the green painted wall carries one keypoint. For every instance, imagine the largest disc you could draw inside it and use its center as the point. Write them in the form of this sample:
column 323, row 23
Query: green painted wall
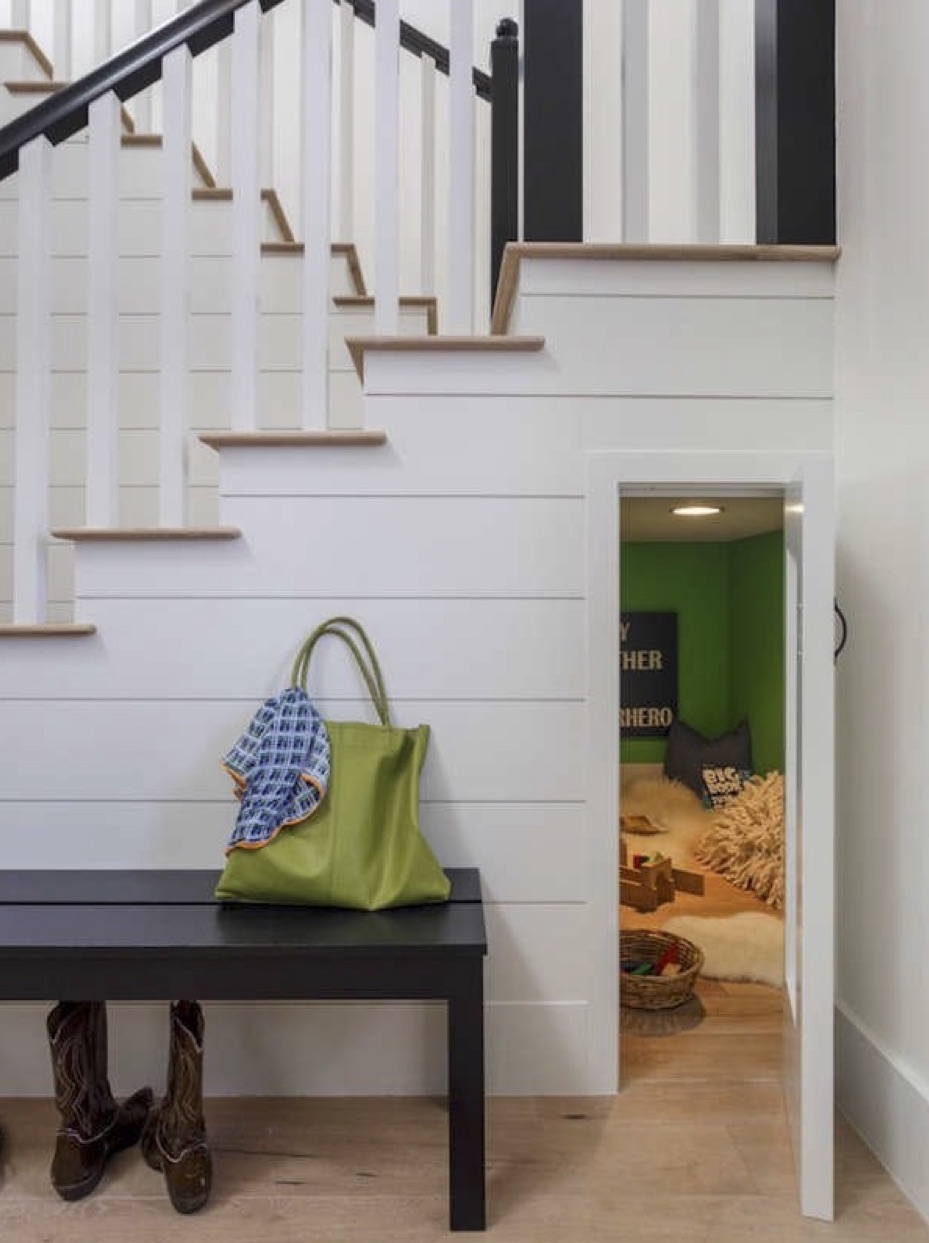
column 729, row 602
column 691, row 580
column 756, row 639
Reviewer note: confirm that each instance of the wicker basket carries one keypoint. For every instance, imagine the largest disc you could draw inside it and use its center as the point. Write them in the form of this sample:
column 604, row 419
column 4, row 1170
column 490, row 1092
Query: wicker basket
column 657, row 992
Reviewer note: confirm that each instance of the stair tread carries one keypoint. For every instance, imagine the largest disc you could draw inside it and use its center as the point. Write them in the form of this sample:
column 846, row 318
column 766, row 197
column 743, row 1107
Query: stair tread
column 357, row 346
column 324, row 438
column 23, row 36
column 348, row 249
column 427, row 302
column 152, row 534
column 223, row 194
column 637, row 252
column 46, row 629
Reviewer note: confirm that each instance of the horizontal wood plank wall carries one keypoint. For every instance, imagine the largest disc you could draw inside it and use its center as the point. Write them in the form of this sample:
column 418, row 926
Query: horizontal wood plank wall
column 461, row 544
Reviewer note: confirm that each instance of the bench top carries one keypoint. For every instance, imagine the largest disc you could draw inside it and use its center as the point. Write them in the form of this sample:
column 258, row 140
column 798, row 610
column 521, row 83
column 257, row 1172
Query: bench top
column 132, row 913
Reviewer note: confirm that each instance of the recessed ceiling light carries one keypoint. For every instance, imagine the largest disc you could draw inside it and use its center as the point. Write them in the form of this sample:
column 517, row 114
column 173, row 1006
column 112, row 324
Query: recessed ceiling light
column 696, row 511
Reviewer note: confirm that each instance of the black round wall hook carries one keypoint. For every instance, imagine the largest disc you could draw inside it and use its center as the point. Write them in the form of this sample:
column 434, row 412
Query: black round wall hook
column 843, row 630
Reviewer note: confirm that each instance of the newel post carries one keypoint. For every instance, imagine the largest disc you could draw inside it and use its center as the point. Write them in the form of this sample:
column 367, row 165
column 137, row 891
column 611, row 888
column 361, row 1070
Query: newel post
column 504, row 144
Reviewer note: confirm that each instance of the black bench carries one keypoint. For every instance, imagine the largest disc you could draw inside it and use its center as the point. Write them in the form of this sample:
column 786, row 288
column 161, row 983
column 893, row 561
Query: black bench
column 160, row 935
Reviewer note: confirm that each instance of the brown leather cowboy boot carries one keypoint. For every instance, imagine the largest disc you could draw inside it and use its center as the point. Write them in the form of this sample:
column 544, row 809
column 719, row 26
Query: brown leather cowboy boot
column 93, row 1125
column 174, row 1140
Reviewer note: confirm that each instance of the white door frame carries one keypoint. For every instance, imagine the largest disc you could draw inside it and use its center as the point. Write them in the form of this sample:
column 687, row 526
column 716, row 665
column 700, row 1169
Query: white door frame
column 608, row 473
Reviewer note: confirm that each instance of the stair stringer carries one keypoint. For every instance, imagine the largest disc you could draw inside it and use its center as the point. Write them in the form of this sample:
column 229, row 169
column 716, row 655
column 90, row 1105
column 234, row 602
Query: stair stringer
column 461, row 544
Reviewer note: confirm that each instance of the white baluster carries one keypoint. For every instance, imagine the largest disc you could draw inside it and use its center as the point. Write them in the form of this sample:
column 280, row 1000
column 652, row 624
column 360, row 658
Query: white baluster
column 62, row 40
column 671, row 122
column 427, row 176
column 345, row 181
column 142, row 103
column 223, row 168
column 103, row 31
column 386, row 167
column 246, row 220
column 33, row 385
column 102, row 484
column 737, row 121
column 20, row 14
column 635, row 121
column 706, row 121
column 461, row 171
column 175, row 214
column 316, row 159
column 266, row 100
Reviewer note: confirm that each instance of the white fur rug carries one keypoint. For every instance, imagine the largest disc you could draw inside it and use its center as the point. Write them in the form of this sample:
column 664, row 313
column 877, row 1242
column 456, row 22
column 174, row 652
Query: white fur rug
column 677, row 814
column 747, row 946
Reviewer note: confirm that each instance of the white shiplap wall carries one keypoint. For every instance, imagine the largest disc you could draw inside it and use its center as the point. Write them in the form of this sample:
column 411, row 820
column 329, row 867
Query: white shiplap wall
column 462, row 545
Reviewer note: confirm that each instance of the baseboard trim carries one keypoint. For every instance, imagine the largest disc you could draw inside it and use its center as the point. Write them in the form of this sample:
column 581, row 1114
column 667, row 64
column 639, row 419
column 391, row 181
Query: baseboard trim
column 886, row 1103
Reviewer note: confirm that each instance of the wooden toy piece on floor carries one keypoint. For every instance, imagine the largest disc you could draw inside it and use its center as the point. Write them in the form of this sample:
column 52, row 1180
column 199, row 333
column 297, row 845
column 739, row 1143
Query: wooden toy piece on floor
column 653, row 881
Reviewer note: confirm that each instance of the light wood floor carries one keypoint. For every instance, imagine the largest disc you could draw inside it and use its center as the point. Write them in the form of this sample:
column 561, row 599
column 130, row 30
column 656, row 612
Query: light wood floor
column 693, row 1150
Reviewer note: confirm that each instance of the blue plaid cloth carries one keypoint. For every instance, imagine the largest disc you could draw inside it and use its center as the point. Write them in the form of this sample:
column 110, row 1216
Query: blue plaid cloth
column 280, row 767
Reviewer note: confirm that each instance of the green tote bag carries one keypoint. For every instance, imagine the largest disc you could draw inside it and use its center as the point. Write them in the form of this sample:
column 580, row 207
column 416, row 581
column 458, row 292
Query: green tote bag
column 362, row 847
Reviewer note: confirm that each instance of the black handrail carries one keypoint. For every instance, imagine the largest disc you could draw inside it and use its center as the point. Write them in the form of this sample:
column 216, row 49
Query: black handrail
column 138, row 66
column 419, row 44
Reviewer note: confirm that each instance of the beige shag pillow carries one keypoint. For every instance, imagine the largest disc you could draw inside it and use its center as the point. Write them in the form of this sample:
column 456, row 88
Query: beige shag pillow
column 746, row 841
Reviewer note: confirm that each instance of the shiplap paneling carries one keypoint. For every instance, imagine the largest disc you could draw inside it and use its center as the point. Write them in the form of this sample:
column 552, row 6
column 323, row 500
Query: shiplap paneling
column 208, row 340
column 357, row 1049
column 210, row 285
column 429, row 649
column 527, row 852
column 518, row 446
column 278, row 393
column 531, row 1046
column 386, row 546
column 210, row 227
column 773, row 347
column 483, row 752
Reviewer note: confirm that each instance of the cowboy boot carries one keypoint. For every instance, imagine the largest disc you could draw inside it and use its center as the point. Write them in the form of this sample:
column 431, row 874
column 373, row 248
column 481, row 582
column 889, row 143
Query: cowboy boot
column 174, row 1140
column 93, row 1125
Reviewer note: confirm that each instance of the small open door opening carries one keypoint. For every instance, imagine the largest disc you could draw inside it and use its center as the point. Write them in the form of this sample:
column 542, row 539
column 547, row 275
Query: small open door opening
column 768, row 589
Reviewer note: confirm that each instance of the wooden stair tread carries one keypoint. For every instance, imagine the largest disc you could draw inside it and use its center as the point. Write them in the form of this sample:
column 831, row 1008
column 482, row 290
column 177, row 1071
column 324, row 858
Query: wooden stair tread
column 335, row 438
column 156, row 140
column 46, row 630
column 358, row 346
column 223, row 194
column 427, row 302
column 114, row 535
column 347, row 249
column 637, row 252
column 23, row 36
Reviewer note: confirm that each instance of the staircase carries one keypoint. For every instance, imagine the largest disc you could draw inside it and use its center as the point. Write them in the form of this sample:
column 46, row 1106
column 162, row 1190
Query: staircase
column 451, row 500
column 25, row 77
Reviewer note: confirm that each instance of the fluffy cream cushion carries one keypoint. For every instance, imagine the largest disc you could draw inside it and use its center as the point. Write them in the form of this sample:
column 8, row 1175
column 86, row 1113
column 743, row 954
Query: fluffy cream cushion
column 746, row 841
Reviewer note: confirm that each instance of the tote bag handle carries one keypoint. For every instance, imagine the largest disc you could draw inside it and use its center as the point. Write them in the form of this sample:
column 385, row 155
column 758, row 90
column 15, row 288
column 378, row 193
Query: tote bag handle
column 365, row 659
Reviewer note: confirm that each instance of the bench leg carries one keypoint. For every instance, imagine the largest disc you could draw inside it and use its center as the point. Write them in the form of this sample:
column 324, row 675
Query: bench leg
column 466, row 1098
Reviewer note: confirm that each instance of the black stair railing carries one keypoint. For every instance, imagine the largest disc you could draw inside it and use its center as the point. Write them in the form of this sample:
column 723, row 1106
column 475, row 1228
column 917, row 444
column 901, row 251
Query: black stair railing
column 200, row 27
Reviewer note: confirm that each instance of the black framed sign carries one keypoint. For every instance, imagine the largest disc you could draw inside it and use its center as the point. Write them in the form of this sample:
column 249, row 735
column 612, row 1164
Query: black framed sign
column 647, row 674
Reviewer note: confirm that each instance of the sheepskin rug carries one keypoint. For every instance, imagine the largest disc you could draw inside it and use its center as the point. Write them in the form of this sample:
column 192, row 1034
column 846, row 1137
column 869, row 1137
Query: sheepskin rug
column 680, row 819
column 747, row 946
column 745, row 843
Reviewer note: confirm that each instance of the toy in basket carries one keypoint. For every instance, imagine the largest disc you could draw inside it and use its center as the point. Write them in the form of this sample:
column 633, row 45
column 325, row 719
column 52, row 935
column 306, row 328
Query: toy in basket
column 657, row 969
